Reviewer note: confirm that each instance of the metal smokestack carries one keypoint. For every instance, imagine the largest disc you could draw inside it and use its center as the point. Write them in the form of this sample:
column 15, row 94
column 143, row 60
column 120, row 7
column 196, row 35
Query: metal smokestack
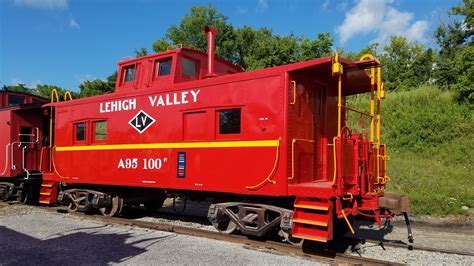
column 211, row 35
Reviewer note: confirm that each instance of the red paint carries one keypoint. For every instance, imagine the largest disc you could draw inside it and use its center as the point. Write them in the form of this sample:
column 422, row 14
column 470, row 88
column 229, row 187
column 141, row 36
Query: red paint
column 18, row 153
column 211, row 35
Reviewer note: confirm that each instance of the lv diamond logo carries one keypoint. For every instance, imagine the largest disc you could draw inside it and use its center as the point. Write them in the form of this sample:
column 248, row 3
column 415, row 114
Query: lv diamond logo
column 141, row 121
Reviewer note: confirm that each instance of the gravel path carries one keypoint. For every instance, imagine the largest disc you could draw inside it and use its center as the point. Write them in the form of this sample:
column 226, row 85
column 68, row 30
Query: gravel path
column 32, row 236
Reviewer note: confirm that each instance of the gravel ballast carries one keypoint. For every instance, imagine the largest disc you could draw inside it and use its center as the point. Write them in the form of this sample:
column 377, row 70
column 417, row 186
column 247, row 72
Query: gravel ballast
column 36, row 237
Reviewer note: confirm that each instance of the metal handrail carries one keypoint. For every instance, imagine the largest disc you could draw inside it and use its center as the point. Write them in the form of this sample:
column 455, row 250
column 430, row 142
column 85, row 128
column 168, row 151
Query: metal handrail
column 67, row 95
column 293, row 155
column 180, row 45
column 294, row 92
column 269, row 179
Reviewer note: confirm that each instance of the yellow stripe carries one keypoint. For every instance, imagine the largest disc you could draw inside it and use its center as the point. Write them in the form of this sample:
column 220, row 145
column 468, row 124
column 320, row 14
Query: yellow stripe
column 177, row 145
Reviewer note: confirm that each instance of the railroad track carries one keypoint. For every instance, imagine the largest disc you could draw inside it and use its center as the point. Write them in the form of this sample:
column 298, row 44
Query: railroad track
column 400, row 245
column 269, row 246
column 275, row 247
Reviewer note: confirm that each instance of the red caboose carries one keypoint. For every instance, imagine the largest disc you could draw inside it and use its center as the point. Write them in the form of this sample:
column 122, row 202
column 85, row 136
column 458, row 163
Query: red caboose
column 272, row 146
column 21, row 140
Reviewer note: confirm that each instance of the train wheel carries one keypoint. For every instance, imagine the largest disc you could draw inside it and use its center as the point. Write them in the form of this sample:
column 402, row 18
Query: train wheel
column 72, row 207
column 27, row 194
column 226, row 227
column 114, row 208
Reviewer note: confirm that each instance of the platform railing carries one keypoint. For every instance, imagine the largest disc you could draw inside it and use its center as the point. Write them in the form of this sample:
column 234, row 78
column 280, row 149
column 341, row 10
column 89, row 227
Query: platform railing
column 377, row 93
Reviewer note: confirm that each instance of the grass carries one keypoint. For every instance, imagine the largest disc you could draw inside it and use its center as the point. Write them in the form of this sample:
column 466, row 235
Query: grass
column 430, row 141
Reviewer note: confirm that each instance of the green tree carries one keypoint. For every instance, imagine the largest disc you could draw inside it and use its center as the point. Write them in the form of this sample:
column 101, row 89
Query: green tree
column 97, row 86
column 141, row 52
column 406, row 65
column 45, row 91
column 20, row 87
column 454, row 65
column 369, row 49
column 190, row 31
column 247, row 47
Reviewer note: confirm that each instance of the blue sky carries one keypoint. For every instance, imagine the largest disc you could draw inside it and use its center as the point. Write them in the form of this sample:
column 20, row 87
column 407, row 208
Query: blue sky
column 64, row 42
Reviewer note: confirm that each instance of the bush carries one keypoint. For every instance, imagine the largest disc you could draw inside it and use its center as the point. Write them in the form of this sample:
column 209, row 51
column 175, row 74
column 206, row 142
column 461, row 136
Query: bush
column 431, row 144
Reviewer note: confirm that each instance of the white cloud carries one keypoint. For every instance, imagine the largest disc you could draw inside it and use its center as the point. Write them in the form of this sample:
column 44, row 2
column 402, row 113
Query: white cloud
column 42, row 4
column 73, row 23
column 262, row 4
column 383, row 19
column 342, row 6
column 325, row 5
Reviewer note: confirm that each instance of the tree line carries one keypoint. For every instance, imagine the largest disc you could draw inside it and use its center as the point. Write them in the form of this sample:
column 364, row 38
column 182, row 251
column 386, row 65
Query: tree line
column 406, row 64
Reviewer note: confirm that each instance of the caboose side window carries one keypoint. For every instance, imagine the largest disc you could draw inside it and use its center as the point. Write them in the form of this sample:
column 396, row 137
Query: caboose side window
column 15, row 99
column 163, row 67
column 129, row 73
column 189, row 68
column 229, row 121
column 100, row 130
column 80, row 131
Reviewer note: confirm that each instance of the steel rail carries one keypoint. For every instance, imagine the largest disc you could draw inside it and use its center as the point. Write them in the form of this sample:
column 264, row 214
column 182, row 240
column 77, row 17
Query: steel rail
column 240, row 239
column 421, row 248
column 269, row 246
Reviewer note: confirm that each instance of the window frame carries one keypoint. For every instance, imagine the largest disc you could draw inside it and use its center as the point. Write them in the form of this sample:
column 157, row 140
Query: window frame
column 217, row 130
column 181, row 68
column 9, row 96
column 74, row 133
column 123, row 75
column 94, row 131
column 156, row 67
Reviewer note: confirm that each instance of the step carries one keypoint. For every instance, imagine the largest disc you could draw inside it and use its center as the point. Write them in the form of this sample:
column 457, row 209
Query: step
column 312, row 207
column 311, row 222
column 306, row 203
column 311, row 215
column 310, row 231
column 308, row 237
column 47, row 184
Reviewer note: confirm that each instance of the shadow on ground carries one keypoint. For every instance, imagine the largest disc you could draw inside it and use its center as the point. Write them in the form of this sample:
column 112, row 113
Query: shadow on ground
column 73, row 248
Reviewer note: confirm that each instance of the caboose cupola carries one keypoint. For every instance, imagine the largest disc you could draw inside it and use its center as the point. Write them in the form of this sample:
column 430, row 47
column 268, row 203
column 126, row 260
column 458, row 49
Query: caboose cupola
column 161, row 71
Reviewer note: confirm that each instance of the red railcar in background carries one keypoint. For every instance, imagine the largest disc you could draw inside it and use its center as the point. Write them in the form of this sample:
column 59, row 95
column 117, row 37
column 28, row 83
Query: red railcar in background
column 21, row 139
column 272, row 146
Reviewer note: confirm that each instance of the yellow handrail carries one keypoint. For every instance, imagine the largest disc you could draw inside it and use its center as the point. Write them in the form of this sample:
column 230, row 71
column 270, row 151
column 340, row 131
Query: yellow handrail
column 337, row 70
column 334, row 159
column 54, row 95
column 67, row 95
column 180, row 45
column 269, row 179
column 293, row 155
column 294, row 92
column 380, row 95
column 372, row 98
